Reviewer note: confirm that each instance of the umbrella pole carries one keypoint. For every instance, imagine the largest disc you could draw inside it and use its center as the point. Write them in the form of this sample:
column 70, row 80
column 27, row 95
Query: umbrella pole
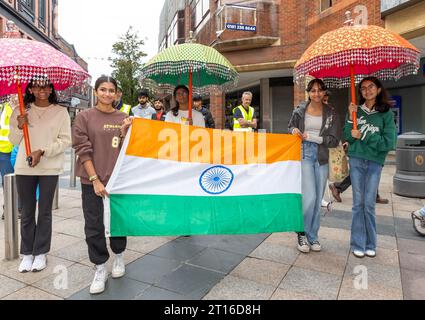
column 25, row 128
column 353, row 95
column 190, row 92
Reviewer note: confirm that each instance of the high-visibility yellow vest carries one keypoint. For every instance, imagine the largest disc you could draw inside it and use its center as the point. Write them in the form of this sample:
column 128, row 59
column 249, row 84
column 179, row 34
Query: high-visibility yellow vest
column 246, row 115
column 126, row 108
column 6, row 112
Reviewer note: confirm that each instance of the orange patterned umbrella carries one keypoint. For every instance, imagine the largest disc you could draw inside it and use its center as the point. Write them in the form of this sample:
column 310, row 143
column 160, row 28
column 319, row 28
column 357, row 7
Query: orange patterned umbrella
column 346, row 55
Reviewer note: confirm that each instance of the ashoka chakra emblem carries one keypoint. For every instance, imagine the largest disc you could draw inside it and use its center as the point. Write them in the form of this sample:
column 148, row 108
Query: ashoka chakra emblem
column 216, row 180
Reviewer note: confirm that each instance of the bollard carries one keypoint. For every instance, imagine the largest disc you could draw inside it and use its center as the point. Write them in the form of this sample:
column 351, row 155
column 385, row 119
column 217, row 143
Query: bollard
column 55, row 205
column 72, row 178
column 11, row 217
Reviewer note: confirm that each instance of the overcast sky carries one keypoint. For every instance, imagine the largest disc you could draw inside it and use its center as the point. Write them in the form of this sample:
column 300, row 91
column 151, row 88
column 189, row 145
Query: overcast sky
column 94, row 26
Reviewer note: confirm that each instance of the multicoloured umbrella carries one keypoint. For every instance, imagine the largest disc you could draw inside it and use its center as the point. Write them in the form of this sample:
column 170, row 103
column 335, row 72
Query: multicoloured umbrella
column 191, row 64
column 22, row 60
column 344, row 56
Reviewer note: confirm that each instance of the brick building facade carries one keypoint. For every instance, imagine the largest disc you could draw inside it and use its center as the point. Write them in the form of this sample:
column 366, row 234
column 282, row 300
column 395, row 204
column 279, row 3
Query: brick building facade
column 265, row 56
column 38, row 20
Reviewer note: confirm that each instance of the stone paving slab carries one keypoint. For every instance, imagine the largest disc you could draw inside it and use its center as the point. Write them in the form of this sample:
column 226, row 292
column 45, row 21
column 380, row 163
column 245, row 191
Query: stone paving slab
column 31, row 293
column 261, row 271
column 9, row 286
column 234, row 288
column 320, row 285
column 413, row 284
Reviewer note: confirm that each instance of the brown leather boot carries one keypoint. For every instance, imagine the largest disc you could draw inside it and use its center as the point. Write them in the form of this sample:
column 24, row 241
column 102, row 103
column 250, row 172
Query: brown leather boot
column 335, row 192
column 381, row 200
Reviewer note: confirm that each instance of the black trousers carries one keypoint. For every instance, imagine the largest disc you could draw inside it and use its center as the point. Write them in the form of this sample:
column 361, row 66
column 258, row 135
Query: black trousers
column 95, row 229
column 36, row 237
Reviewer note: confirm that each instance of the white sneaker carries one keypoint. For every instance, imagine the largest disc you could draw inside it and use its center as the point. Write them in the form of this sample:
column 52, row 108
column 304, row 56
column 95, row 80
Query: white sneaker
column 315, row 246
column 39, row 263
column 358, row 253
column 370, row 253
column 26, row 264
column 118, row 267
column 418, row 214
column 303, row 244
column 100, row 278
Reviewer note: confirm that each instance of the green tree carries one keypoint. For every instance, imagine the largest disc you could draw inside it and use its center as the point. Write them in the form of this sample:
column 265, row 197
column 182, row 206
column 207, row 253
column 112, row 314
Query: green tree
column 127, row 64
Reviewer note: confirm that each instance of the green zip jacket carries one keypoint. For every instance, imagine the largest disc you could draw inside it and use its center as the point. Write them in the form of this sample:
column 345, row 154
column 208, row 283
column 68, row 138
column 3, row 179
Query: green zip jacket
column 378, row 135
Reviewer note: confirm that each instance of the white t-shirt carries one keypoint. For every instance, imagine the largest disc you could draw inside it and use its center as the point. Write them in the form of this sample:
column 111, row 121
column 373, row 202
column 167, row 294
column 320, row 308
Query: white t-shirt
column 198, row 118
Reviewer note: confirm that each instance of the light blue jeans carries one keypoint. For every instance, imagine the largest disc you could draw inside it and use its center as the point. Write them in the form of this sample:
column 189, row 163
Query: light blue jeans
column 365, row 176
column 314, row 177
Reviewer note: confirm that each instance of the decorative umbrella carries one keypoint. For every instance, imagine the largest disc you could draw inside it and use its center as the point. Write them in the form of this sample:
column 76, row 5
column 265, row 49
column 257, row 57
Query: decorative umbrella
column 22, row 60
column 191, row 64
column 344, row 56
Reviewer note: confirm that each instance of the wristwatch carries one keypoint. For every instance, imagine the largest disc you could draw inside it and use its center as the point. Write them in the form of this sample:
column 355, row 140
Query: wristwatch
column 93, row 178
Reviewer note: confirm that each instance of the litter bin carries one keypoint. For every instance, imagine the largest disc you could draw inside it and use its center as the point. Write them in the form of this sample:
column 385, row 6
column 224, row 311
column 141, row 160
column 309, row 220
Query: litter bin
column 409, row 180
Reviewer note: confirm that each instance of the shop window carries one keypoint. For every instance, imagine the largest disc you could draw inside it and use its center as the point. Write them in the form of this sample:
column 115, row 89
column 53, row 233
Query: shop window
column 325, row 4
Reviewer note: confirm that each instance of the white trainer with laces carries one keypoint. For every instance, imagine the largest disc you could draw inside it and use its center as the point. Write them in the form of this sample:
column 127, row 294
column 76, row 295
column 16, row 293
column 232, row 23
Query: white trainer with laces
column 303, row 244
column 40, row 263
column 100, row 278
column 118, row 267
column 26, row 263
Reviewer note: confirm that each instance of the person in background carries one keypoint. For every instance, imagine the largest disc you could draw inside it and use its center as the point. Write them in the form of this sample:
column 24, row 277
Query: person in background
column 318, row 127
column 197, row 105
column 120, row 105
column 49, row 127
column 5, row 145
column 160, row 114
column 244, row 118
column 144, row 108
column 369, row 145
column 96, row 133
column 180, row 112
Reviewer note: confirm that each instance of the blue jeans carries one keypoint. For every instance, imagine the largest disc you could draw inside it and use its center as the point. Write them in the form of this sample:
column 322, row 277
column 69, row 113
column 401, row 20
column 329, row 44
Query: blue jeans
column 313, row 179
column 5, row 165
column 365, row 176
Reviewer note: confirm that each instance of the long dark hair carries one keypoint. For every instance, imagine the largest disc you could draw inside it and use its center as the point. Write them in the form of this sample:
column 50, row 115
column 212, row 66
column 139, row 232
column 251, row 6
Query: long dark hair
column 176, row 109
column 317, row 81
column 30, row 97
column 382, row 103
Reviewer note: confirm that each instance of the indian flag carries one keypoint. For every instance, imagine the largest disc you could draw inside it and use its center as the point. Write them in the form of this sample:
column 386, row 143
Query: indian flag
column 173, row 179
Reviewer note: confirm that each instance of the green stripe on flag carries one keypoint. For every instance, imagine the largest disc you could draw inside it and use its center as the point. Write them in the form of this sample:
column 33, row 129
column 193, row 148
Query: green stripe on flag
column 163, row 215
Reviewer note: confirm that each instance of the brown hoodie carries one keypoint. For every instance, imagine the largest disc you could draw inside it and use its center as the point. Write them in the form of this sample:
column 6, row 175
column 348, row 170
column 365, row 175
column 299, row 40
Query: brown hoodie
column 96, row 137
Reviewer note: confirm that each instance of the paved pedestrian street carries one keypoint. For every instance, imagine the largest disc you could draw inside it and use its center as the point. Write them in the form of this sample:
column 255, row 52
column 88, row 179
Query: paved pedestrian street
column 254, row 267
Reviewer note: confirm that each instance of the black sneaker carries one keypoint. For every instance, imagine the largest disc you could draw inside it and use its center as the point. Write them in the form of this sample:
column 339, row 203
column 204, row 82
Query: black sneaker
column 315, row 246
column 303, row 244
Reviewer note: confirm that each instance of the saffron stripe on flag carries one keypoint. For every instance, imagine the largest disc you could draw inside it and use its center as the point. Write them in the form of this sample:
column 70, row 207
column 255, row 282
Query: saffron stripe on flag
column 170, row 141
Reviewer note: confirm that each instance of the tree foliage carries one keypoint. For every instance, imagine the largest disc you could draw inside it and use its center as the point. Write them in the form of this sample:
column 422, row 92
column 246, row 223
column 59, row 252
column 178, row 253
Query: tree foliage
column 127, row 64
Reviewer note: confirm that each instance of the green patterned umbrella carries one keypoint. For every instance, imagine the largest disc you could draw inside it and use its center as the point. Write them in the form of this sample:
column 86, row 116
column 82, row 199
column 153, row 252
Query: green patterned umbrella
column 172, row 67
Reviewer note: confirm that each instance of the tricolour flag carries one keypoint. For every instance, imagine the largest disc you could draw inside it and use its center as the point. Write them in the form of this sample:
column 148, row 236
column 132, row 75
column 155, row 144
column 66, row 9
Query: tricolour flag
column 173, row 179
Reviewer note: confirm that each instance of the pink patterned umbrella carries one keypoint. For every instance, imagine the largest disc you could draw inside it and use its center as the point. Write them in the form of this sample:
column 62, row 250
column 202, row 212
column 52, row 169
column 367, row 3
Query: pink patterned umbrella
column 22, row 60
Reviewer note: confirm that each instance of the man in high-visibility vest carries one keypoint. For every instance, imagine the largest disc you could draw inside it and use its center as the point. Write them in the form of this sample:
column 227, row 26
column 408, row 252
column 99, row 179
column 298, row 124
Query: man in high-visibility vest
column 5, row 145
column 244, row 116
column 126, row 108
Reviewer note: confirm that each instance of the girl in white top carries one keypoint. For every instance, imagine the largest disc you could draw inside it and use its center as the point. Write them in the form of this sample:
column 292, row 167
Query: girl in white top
column 180, row 113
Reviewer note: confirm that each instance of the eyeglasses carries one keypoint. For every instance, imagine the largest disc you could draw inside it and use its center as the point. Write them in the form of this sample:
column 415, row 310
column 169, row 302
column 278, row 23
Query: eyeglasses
column 369, row 87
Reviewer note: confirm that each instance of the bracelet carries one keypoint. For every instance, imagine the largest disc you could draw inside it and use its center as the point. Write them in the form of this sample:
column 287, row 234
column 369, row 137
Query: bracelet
column 93, row 178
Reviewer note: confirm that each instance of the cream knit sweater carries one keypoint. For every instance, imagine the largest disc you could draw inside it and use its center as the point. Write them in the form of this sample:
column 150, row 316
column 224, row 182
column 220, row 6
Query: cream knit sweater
column 49, row 130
